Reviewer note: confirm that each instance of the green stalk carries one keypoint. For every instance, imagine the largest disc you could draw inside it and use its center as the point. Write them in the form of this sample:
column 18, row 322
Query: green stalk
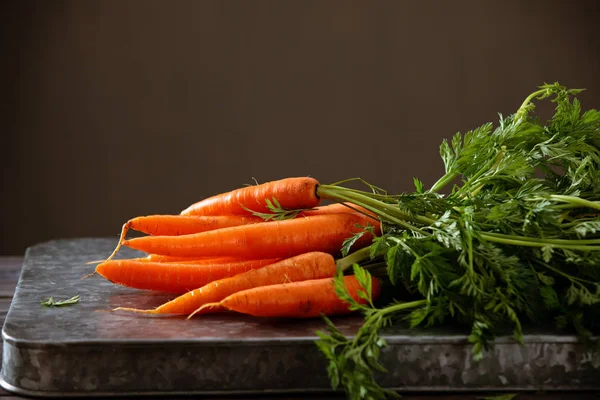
column 356, row 257
column 576, row 222
column 379, row 208
column 576, row 200
column 373, row 187
column 521, row 242
column 378, row 196
column 470, row 252
column 520, row 112
column 389, row 208
column 403, row 306
column 443, row 181
column 570, row 277
column 544, row 241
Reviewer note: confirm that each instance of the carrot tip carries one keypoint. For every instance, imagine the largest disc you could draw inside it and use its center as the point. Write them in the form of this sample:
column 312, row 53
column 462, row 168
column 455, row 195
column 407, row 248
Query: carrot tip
column 207, row 305
column 88, row 275
column 94, row 262
column 124, row 230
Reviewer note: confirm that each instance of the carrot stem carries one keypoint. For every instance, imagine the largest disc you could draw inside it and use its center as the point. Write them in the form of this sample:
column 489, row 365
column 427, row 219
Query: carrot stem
column 356, row 257
column 385, row 210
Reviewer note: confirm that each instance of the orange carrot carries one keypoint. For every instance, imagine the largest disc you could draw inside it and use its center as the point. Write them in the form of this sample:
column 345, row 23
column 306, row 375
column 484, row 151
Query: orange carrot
column 172, row 277
column 154, row 258
column 303, row 299
column 313, row 265
column 173, row 225
column 270, row 239
column 176, row 225
column 170, row 259
column 291, row 193
column 185, row 260
column 211, row 260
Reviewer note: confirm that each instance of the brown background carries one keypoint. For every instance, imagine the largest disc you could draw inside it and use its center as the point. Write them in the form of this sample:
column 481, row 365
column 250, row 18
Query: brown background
column 112, row 109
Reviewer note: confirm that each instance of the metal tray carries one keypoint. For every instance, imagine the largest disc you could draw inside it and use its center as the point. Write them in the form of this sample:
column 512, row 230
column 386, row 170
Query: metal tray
column 81, row 351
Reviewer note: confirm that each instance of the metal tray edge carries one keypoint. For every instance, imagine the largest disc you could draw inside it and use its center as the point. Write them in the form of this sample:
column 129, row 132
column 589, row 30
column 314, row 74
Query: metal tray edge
column 412, row 389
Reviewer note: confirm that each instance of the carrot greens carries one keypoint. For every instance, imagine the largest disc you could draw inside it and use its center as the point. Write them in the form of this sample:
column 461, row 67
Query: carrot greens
column 276, row 211
column 516, row 241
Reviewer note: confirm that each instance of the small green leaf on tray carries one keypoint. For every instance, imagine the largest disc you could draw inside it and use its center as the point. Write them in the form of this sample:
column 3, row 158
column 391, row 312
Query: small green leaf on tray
column 58, row 303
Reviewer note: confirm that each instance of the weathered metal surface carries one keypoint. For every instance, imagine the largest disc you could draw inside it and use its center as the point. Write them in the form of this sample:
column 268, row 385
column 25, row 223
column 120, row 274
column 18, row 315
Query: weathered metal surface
column 84, row 349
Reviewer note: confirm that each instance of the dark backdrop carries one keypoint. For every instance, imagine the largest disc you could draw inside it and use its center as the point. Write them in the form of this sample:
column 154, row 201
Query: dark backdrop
column 112, row 109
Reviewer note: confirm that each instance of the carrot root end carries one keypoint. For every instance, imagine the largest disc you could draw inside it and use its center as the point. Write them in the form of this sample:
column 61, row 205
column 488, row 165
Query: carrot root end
column 203, row 307
column 124, row 231
column 88, row 275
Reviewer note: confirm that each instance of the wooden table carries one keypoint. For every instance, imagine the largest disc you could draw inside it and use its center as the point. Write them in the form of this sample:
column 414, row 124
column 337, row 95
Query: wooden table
column 10, row 268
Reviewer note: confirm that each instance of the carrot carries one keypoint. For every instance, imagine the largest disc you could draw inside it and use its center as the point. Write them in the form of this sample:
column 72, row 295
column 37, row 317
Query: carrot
column 303, row 299
column 185, row 260
column 170, row 259
column 186, row 224
column 291, row 193
column 174, row 225
column 210, row 260
column 172, row 277
column 306, row 266
column 270, row 239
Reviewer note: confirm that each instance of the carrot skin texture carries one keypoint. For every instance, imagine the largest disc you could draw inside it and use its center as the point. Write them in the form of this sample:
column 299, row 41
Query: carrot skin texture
column 305, row 299
column 191, row 260
column 313, row 265
column 172, row 277
column 291, row 193
column 186, row 260
column 162, row 258
column 272, row 239
column 175, row 225
column 212, row 260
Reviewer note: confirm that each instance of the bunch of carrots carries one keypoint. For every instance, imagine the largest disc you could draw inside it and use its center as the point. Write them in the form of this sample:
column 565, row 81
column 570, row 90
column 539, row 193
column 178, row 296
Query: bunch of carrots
column 269, row 250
